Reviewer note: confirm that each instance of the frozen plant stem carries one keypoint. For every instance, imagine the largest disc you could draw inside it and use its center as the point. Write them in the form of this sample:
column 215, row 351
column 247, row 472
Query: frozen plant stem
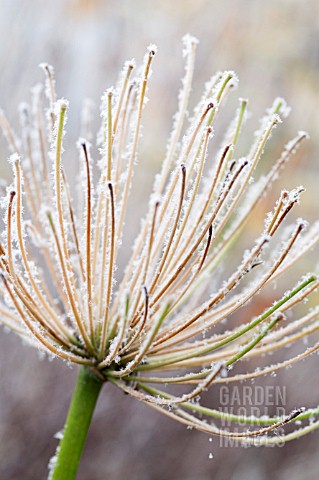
column 77, row 424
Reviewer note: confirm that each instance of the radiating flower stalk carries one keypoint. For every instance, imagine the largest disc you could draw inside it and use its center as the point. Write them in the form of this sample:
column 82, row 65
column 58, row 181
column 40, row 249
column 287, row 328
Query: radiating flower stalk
column 156, row 326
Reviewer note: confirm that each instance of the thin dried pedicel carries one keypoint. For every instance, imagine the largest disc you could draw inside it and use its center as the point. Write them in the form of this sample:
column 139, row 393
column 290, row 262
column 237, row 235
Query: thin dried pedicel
column 139, row 327
column 88, row 273
column 129, row 68
column 50, row 91
column 171, row 237
column 76, row 313
column 191, row 201
column 147, row 259
column 73, row 224
column 45, row 304
column 106, row 318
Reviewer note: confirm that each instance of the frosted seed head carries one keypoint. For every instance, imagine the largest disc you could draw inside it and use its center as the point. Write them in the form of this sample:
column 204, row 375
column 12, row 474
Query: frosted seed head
column 243, row 100
column 61, row 104
column 281, row 107
column 303, row 134
column 302, row 224
column 189, row 42
column 14, row 159
column 152, row 49
column 275, row 119
column 130, row 64
column 110, row 92
column 46, row 67
column 182, row 254
column 80, row 143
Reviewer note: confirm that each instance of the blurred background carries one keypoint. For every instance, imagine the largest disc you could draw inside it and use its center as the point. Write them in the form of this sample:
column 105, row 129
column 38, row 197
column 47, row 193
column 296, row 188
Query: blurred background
column 274, row 48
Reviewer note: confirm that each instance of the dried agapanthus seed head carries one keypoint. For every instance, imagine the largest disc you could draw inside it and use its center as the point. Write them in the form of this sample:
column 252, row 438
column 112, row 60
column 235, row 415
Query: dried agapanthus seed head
column 156, row 325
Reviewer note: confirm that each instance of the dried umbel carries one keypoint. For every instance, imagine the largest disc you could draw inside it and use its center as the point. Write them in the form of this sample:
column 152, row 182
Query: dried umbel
column 156, row 326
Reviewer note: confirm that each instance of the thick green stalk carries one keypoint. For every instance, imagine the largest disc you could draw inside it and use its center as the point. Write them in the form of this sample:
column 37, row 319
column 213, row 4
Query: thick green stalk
column 77, row 424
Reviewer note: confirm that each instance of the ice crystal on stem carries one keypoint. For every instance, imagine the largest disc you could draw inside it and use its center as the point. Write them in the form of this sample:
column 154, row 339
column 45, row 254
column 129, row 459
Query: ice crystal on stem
column 58, row 256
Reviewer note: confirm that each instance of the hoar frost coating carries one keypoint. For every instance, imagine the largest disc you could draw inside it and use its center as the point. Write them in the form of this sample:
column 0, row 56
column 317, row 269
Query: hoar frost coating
column 58, row 256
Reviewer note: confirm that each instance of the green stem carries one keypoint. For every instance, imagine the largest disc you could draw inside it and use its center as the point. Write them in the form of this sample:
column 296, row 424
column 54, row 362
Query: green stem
column 77, row 424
